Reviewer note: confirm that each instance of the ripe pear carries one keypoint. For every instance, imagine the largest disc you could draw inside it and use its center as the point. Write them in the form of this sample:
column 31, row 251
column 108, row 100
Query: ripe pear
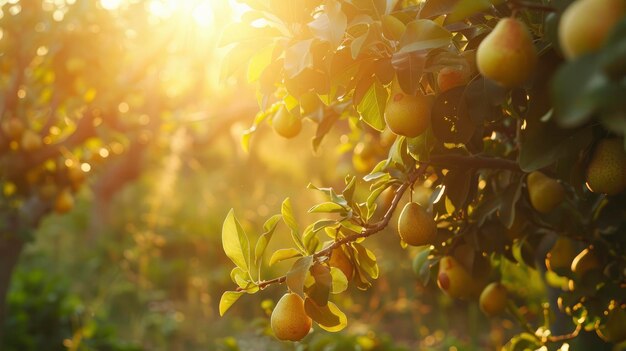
column 606, row 173
column 13, row 127
column 408, row 115
column 586, row 24
column 614, row 329
column 366, row 155
column 507, row 54
column 289, row 320
column 561, row 254
column 545, row 193
column 451, row 77
column 31, row 141
column 416, row 226
column 493, row 299
column 286, row 124
column 64, row 202
column 340, row 260
column 453, row 279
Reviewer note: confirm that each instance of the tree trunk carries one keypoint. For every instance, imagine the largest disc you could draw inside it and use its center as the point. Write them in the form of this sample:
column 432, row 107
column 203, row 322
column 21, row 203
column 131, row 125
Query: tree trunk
column 10, row 249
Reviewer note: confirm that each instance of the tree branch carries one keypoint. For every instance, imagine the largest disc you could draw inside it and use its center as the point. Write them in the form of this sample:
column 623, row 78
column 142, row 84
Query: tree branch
column 367, row 231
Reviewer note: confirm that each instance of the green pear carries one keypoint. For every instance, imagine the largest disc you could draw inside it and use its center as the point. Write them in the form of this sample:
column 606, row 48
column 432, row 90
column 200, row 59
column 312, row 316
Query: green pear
column 493, row 299
column 586, row 24
column 416, row 226
column 507, row 55
column 606, row 172
column 561, row 254
column 453, row 279
column 545, row 193
column 408, row 115
column 286, row 124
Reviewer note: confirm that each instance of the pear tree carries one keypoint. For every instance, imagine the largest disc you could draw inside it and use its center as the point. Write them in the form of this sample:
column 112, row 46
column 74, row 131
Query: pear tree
column 509, row 112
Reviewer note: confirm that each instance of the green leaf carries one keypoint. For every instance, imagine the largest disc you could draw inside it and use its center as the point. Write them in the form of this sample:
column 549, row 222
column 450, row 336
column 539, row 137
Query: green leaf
column 466, row 8
column 421, row 266
column 320, row 290
column 577, row 91
column 264, row 239
column 290, row 220
column 297, row 275
column 298, row 57
column 339, row 281
column 329, row 317
column 284, row 254
column 239, row 277
column 423, row 34
column 366, row 261
column 228, row 299
column 235, row 242
column 458, row 183
column 259, row 62
column 327, row 207
column 331, row 24
column 372, row 107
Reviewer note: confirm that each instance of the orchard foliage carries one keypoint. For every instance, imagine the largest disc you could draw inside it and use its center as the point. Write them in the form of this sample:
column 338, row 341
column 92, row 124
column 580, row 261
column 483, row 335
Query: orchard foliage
column 340, row 63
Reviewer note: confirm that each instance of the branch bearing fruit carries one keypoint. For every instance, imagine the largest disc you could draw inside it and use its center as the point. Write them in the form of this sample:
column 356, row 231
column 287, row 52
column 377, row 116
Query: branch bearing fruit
column 586, row 24
column 416, row 226
column 493, row 299
column 606, row 172
column 289, row 321
column 286, row 124
column 507, row 54
column 408, row 115
column 545, row 193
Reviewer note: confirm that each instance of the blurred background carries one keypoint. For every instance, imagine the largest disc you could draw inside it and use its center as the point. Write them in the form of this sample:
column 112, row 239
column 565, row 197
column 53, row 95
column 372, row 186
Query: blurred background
column 137, row 264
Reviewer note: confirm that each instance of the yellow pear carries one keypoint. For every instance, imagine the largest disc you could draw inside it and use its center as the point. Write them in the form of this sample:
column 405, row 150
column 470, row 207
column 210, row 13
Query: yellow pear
column 606, row 172
column 64, row 202
column 286, row 124
column 561, row 254
column 289, row 320
column 585, row 261
column 31, row 141
column 416, row 226
column 545, row 193
column 408, row 115
column 339, row 259
column 586, row 24
column 493, row 299
column 507, row 54
column 451, row 77
column 614, row 329
column 453, row 279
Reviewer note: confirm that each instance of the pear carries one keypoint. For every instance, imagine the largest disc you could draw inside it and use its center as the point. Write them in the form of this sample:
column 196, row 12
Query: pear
column 561, row 254
column 340, row 260
column 545, row 193
column 586, row 24
column 614, row 329
column 416, row 226
column 286, row 124
column 453, row 279
column 493, row 299
column 452, row 77
column 507, row 54
column 408, row 115
column 585, row 261
column 289, row 320
column 606, row 172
